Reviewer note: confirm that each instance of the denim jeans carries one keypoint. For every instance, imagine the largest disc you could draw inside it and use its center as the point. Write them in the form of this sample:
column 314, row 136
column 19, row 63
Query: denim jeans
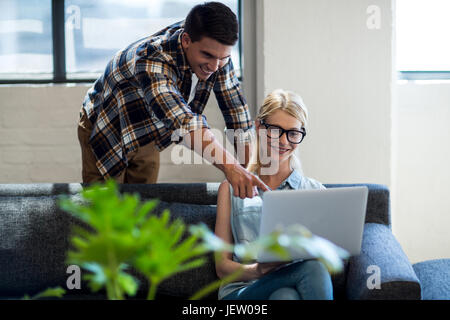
column 303, row 280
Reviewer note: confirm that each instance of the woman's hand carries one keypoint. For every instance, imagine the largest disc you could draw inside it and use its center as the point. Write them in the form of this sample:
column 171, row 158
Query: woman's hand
column 265, row 268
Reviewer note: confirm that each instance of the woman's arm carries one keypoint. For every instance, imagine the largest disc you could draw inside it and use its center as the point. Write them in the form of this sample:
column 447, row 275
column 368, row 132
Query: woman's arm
column 225, row 264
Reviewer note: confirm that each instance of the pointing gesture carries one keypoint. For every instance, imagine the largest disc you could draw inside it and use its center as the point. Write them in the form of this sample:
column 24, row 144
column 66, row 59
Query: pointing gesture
column 244, row 183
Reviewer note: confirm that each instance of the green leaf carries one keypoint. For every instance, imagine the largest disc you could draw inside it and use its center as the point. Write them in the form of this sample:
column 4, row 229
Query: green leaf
column 177, row 230
column 210, row 240
column 186, row 248
column 145, row 209
column 165, row 216
column 57, row 292
column 128, row 283
column 191, row 265
column 82, row 232
column 97, row 280
column 300, row 238
column 216, row 284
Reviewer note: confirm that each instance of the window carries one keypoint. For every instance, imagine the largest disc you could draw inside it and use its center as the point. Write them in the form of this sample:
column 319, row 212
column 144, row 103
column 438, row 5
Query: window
column 88, row 33
column 26, row 49
column 422, row 36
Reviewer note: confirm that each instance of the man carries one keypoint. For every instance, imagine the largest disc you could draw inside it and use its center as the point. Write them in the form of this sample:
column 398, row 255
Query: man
column 142, row 100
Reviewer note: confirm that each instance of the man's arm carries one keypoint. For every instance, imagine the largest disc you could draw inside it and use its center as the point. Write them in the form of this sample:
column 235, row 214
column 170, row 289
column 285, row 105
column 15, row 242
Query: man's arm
column 235, row 110
column 203, row 142
column 224, row 263
column 245, row 148
column 164, row 100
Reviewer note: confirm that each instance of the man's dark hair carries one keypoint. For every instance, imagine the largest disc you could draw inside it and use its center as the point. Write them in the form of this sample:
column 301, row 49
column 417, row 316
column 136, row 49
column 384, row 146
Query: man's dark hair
column 214, row 20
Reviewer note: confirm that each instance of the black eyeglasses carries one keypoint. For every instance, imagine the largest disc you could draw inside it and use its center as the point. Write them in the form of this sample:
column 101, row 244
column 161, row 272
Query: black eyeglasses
column 275, row 132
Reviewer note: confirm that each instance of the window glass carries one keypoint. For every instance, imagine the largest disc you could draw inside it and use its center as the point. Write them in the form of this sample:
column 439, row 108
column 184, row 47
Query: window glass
column 423, row 35
column 26, row 49
column 96, row 30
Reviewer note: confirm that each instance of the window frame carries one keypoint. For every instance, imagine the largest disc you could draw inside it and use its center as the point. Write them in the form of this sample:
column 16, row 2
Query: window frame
column 59, row 49
column 423, row 75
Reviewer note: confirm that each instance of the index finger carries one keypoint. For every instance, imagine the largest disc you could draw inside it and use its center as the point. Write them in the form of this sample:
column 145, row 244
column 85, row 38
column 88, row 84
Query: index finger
column 261, row 184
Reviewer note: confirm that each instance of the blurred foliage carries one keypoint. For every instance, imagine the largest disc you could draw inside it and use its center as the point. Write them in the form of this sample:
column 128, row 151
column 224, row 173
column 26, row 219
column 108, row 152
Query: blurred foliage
column 57, row 292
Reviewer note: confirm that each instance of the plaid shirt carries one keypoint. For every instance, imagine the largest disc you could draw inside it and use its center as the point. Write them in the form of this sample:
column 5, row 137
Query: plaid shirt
column 142, row 97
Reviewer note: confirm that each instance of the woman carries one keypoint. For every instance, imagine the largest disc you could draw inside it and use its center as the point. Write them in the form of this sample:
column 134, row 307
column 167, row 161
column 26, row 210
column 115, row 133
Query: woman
column 280, row 127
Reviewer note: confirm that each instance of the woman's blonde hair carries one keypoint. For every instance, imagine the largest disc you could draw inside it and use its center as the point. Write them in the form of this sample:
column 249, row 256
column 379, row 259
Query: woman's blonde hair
column 288, row 102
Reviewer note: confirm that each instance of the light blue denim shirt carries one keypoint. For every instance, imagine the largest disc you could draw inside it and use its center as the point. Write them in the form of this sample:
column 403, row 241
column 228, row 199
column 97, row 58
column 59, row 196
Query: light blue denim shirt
column 245, row 219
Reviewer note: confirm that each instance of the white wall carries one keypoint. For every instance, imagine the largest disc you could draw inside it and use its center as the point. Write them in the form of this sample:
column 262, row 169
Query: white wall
column 38, row 141
column 324, row 51
column 421, row 175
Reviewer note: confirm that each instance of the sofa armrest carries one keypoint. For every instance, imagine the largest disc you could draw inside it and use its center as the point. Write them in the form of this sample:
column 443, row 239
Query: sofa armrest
column 397, row 277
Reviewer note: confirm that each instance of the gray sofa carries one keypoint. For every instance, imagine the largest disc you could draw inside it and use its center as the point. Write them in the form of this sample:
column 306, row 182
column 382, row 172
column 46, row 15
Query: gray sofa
column 34, row 235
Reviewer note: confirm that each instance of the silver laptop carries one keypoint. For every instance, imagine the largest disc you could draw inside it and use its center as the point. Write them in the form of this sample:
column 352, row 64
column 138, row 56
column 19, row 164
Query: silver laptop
column 336, row 214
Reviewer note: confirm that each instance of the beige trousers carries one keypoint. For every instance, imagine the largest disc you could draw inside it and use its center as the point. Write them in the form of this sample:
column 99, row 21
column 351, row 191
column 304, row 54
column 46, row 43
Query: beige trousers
column 143, row 163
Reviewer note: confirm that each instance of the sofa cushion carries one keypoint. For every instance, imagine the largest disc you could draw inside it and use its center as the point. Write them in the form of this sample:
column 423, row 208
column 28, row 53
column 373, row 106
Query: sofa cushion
column 195, row 193
column 381, row 250
column 434, row 277
column 33, row 244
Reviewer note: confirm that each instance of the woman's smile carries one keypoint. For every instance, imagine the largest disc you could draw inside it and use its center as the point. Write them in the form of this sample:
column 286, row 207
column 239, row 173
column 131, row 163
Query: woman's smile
column 280, row 150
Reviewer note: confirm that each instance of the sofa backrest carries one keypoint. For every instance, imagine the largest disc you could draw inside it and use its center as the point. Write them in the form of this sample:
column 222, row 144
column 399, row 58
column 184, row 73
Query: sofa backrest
column 34, row 232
